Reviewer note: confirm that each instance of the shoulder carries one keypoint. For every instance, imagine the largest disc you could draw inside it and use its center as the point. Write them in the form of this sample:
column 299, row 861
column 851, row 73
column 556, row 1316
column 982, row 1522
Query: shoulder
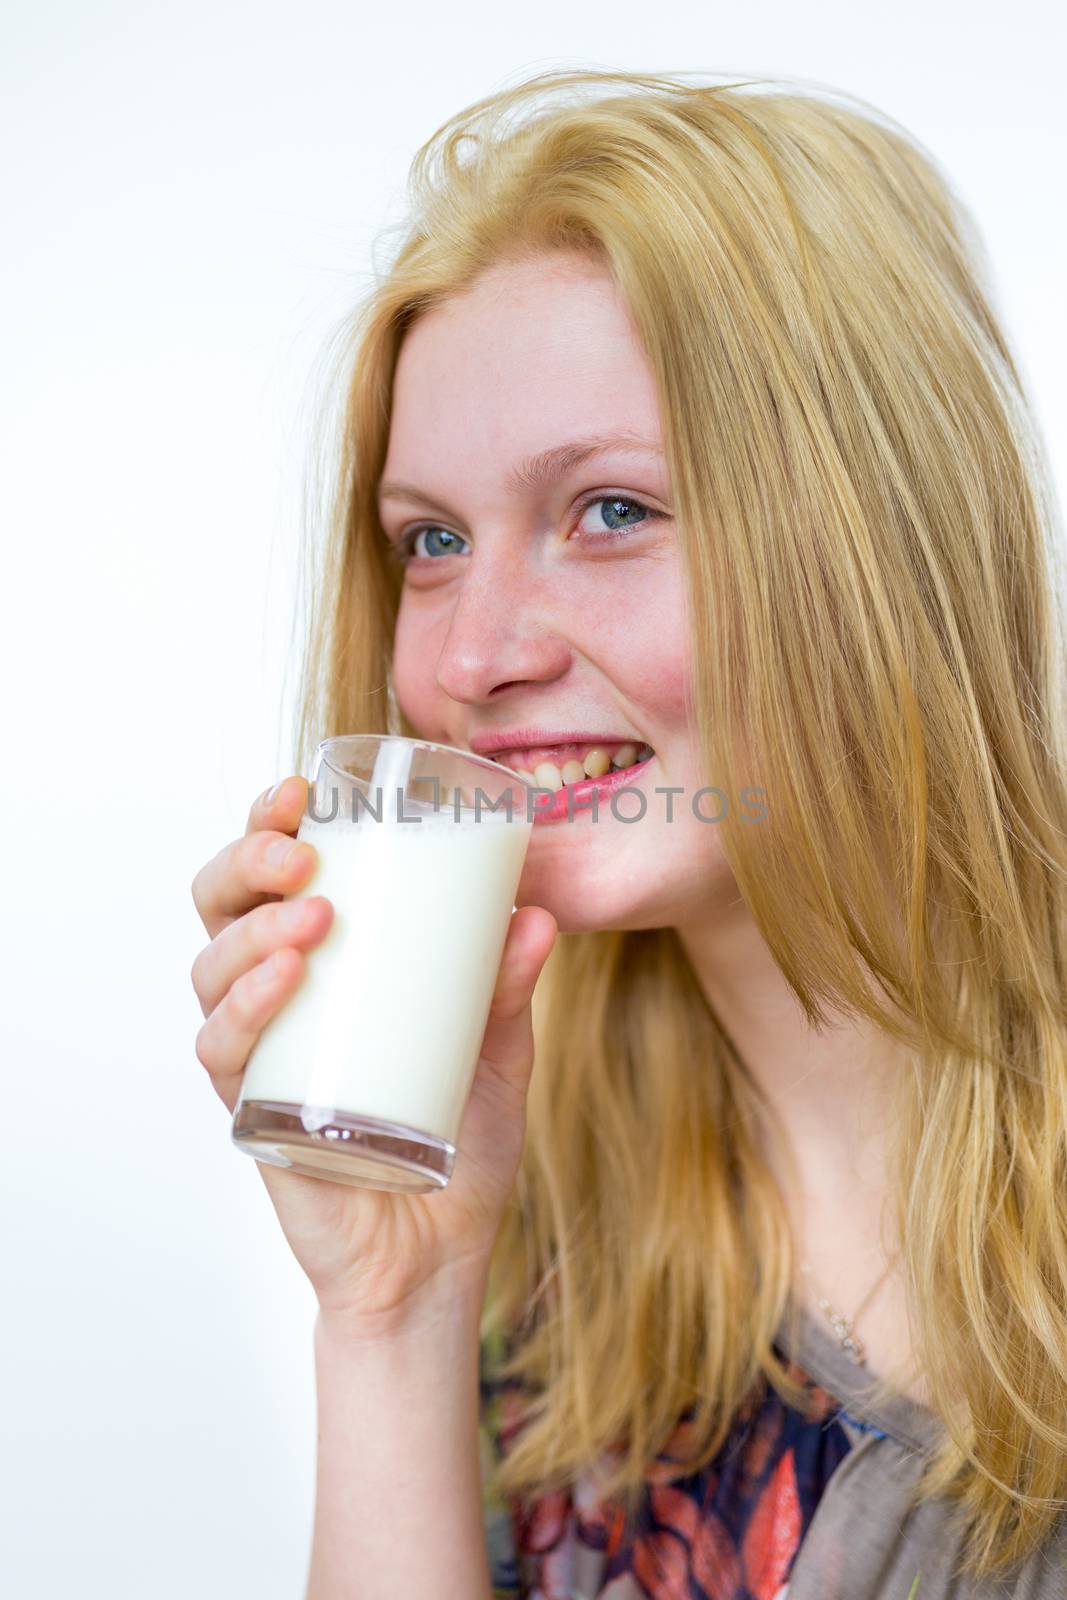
column 871, row 1540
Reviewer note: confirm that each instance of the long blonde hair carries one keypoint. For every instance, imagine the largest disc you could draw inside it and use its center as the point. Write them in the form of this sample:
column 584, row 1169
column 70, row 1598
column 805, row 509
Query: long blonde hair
column 877, row 602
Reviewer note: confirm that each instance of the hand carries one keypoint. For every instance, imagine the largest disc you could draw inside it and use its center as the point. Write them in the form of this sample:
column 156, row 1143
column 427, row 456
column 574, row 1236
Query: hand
column 379, row 1260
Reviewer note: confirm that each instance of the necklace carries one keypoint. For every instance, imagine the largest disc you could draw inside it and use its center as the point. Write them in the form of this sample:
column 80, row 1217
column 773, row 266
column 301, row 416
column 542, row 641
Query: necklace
column 844, row 1326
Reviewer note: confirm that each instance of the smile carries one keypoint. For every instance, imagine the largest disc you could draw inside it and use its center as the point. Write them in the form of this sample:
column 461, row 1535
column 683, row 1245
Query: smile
column 558, row 767
column 574, row 788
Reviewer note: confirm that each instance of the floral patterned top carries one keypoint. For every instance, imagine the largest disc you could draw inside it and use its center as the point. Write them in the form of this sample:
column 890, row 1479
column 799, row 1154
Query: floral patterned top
column 728, row 1532
column 812, row 1506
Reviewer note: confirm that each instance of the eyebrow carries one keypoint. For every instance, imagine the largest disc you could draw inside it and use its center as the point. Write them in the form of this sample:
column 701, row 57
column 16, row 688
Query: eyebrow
column 548, row 466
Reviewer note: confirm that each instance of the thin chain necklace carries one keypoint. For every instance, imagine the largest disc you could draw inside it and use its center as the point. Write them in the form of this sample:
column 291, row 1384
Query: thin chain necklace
column 844, row 1326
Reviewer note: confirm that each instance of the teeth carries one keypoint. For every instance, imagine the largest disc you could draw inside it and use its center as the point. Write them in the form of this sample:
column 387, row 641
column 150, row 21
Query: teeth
column 547, row 775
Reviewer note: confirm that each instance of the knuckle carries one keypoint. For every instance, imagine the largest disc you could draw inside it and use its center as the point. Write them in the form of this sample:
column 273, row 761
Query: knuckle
column 257, row 855
column 196, row 973
column 283, row 917
column 245, row 1001
column 203, row 1049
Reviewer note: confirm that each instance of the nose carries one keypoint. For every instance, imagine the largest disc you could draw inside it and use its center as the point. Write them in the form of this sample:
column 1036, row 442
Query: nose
column 502, row 632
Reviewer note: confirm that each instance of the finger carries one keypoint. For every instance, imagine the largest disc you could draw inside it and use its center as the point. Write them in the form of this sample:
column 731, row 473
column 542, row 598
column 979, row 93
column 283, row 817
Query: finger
column 258, row 867
column 250, row 939
column 216, row 896
column 225, row 1042
column 508, row 1042
column 279, row 807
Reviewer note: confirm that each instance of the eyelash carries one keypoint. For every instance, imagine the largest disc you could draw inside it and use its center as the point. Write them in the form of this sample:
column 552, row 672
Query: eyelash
column 402, row 549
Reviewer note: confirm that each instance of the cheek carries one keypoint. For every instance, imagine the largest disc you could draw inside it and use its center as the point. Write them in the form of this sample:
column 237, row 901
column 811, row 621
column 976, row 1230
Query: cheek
column 650, row 661
column 665, row 684
column 415, row 653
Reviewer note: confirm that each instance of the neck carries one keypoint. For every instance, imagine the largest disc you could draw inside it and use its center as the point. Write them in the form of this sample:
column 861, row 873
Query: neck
column 829, row 1086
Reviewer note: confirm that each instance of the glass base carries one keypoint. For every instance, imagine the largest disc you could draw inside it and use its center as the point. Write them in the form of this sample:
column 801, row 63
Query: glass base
column 337, row 1145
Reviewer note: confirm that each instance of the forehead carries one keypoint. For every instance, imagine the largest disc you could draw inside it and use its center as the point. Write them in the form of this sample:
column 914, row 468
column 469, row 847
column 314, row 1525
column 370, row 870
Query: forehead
column 533, row 352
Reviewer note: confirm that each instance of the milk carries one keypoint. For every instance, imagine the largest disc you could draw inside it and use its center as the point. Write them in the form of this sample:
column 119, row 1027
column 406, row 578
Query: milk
column 388, row 1019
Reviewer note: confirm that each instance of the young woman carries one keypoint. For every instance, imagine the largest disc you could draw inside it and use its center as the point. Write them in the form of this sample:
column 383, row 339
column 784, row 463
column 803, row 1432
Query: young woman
column 681, row 419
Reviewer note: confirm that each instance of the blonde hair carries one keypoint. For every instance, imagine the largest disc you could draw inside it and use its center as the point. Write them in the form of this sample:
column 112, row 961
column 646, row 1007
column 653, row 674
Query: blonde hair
column 876, row 589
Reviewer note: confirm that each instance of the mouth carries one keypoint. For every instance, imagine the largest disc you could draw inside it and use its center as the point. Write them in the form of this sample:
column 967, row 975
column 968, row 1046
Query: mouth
column 563, row 766
column 578, row 776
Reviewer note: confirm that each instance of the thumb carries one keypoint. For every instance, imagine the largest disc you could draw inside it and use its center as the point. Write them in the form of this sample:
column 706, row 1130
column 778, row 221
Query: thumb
column 507, row 1047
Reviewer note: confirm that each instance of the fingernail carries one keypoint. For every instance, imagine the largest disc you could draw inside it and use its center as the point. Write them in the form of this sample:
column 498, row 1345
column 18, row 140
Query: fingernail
column 280, row 851
column 272, row 794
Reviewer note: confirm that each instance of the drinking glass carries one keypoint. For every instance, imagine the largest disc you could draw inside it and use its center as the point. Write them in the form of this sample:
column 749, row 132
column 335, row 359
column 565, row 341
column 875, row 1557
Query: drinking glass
column 362, row 1076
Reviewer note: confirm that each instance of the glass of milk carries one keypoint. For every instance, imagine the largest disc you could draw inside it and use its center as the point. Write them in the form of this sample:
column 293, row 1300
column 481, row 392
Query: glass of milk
column 363, row 1075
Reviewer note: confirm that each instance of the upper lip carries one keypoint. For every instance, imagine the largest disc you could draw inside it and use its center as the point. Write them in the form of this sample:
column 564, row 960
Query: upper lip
column 487, row 744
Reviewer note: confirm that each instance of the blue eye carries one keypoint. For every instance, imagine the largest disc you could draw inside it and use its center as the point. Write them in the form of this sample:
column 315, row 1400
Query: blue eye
column 439, row 542
column 619, row 512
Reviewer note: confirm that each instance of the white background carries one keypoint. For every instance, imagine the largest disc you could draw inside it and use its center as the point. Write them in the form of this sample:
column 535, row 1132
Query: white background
column 190, row 197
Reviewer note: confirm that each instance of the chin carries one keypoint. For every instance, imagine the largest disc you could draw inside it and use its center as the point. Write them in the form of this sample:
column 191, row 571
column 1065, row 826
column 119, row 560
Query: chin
column 581, row 903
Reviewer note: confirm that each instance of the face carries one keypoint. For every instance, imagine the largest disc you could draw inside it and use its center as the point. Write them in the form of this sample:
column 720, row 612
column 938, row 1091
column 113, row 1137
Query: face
column 539, row 609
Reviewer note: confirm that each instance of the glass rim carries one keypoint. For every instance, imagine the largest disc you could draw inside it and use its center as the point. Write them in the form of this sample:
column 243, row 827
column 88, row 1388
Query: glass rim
column 424, row 744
